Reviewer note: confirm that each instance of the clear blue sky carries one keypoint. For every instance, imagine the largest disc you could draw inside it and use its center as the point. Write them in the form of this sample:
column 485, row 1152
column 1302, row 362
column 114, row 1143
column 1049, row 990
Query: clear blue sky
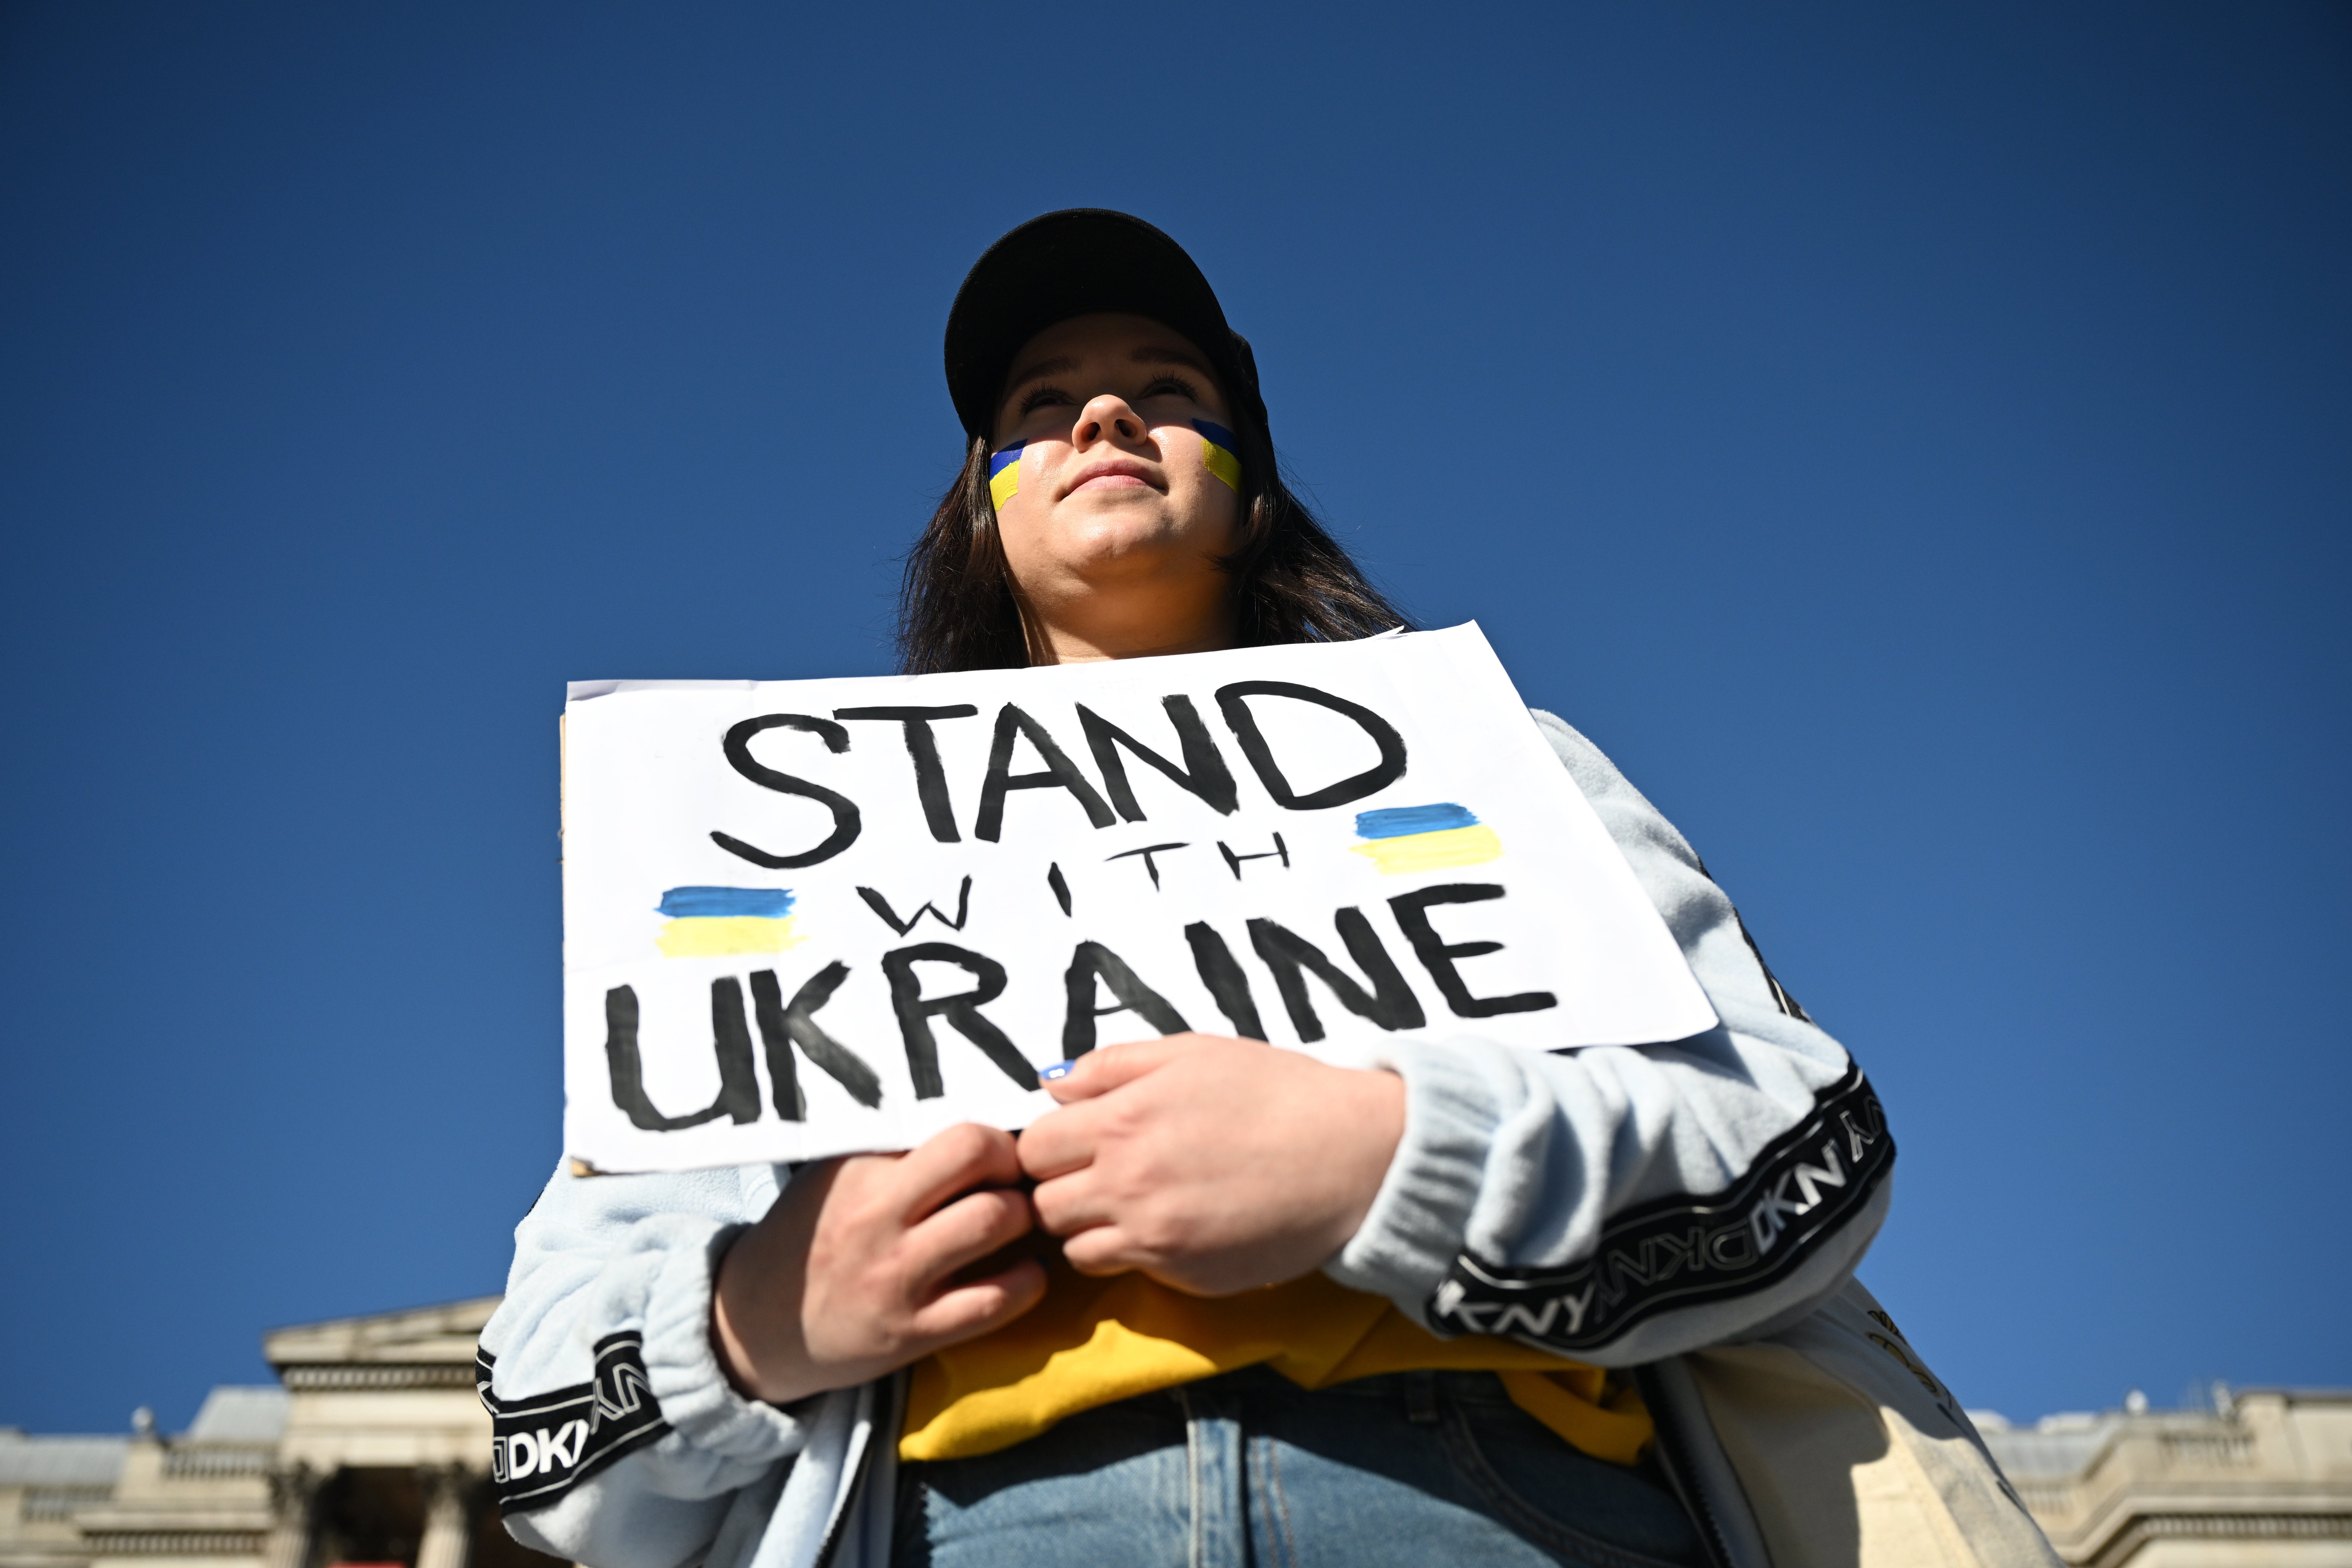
column 1914, row 440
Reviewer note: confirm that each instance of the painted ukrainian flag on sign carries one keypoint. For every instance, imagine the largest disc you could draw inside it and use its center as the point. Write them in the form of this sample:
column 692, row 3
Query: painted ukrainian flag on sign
column 711, row 922
column 1004, row 473
column 1438, row 838
column 1218, row 449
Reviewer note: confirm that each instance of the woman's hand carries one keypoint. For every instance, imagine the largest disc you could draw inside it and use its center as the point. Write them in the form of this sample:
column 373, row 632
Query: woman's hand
column 1212, row 1165
column 850, row 1274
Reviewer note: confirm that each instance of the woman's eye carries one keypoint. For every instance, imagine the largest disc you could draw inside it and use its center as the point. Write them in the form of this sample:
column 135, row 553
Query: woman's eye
column 1171, row 386
column 1044, row 397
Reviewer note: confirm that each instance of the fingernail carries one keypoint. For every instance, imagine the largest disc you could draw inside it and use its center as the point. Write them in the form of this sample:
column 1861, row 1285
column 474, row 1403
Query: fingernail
column 1059, row 1069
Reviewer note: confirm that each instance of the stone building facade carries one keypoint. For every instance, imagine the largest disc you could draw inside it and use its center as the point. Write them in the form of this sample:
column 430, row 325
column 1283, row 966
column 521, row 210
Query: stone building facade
column 371, row 1448
column 371, row 1451
column 2263, row 1479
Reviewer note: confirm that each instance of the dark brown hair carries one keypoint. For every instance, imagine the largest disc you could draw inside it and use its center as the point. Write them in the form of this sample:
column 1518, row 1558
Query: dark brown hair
column 1291, row 580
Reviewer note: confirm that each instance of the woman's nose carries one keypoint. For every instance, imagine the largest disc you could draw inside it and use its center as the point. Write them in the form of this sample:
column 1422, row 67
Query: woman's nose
column 1106, row 418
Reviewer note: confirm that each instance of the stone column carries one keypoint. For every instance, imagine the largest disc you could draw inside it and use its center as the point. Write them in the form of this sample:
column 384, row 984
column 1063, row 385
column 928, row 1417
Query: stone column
column 448, row 1522
column 293, row 1506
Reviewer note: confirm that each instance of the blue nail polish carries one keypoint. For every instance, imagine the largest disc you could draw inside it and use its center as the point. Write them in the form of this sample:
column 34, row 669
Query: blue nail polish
column 1059, row 1069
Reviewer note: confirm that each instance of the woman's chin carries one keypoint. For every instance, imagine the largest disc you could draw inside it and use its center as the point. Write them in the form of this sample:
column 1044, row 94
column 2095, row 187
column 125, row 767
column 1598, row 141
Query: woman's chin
column 1107, row 548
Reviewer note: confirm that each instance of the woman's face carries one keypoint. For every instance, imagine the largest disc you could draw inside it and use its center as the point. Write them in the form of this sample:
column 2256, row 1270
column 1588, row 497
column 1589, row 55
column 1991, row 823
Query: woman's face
column 1114, row 491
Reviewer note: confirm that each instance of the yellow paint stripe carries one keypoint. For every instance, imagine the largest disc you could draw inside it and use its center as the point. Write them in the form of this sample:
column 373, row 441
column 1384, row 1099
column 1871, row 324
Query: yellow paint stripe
column 714, row 936
column 1221, row 463
column 1002, row 488
column 1438, row 851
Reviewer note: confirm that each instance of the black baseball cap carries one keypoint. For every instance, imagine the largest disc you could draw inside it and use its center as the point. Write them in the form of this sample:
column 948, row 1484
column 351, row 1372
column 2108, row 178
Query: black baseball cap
column 1075, row 263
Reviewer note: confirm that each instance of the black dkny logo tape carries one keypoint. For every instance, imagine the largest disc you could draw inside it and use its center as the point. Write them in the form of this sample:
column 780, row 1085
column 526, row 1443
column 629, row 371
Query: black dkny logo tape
column 1686, row 1252
column 540, row 1445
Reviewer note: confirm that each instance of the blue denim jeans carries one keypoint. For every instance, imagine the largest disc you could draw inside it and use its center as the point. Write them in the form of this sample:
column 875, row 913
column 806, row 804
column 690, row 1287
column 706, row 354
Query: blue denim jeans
column 1250, row 1470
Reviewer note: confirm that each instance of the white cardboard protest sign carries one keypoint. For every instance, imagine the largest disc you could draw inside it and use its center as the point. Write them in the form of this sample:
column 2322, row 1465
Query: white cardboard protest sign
column 806, row 918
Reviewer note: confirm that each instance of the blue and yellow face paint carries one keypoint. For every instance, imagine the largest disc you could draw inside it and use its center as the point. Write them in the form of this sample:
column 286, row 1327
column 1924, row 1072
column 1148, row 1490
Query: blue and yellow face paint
column 709, row 922
column 1004, row 473
column 1405, row 838
column 1220, row 452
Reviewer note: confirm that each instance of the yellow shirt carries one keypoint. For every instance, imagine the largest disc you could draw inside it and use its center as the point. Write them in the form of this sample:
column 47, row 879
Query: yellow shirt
column 1091, row 1341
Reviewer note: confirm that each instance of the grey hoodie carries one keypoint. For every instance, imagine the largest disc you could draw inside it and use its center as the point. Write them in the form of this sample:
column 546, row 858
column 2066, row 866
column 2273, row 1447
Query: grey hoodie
column 1618, row 1205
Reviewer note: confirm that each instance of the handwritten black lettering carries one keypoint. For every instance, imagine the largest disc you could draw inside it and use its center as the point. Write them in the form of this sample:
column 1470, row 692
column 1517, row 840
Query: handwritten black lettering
column 1150, row 853
column 1060, row 772
column 739, row 1084
column 737, row 749
column 1390, row 1004
column 783, row 1078
column 1234, row 862
column 923, row 750
column 961, row 1010
column 1223, row 974
column 797, row 1024
column 1439, row 957
column 1205, row 773
column 881, row 906
column 1233, row 701
column 1090, row 961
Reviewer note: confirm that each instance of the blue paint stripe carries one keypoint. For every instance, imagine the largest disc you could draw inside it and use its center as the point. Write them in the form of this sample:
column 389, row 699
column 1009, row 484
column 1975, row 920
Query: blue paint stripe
column 1000, row 461
column 1212, row 431
column 689, row 903
column 1396, row 821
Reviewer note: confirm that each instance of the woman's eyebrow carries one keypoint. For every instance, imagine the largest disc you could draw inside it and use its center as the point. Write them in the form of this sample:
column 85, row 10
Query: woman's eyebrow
column 1062, row 366
column 1153, row 354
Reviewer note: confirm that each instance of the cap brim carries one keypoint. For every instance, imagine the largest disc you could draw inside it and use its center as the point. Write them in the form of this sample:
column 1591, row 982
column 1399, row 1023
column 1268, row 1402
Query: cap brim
column 1076, row 263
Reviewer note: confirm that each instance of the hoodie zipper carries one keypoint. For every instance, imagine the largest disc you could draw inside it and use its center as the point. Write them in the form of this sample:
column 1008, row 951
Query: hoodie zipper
column 855, row 1501
column 1674, row 1461
column 884, row 1429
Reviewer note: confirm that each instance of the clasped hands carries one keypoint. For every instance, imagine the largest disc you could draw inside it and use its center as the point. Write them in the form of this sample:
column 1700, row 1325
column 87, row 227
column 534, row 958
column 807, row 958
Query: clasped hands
column 1214, row 1165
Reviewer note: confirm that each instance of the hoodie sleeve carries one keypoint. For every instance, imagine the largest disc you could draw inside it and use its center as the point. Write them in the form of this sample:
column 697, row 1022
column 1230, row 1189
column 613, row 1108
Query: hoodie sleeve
column 1619, row 1204
column 617, row 1440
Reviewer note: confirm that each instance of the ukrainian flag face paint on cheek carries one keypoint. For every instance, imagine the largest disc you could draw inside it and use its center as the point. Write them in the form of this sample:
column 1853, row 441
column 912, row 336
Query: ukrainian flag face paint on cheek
column 1218, row 449
column 1004, row 473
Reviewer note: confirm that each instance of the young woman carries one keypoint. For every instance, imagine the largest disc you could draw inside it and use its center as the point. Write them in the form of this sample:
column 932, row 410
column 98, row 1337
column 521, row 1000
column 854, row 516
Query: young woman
column 1226, row 1303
